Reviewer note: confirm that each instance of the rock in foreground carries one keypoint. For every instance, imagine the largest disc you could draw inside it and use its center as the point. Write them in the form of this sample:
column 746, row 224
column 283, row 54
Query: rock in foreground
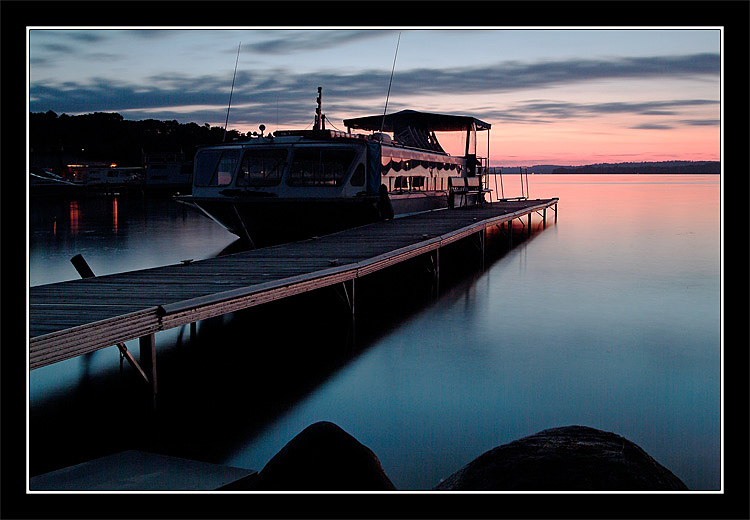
column 571, row 458
column 323, row 457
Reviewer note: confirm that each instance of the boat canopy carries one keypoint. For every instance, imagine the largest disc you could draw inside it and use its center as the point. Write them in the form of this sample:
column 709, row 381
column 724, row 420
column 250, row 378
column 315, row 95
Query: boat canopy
column 430, row 122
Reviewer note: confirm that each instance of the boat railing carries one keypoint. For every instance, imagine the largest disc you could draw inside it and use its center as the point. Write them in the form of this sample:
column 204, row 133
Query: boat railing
column 497, row 172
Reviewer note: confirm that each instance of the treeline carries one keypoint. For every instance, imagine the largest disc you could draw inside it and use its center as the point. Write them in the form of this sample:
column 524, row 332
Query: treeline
column 663, row 167
column 108, row 137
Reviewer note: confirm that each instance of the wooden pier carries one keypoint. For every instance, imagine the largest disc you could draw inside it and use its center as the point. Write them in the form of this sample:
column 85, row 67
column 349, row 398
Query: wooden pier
column 69, row 319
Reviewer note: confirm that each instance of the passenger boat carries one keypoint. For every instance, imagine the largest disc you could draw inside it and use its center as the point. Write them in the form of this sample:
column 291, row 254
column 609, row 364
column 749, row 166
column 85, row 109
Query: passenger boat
column 294, row 184
column 167, row 173
column 43, row 182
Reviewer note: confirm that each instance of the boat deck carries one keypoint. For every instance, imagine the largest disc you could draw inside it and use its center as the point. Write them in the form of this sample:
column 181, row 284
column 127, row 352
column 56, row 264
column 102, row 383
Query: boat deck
column 72, row 318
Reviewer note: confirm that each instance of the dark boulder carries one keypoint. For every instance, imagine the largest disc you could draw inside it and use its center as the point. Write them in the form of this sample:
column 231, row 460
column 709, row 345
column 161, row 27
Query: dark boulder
column 572, row 458
column 323, row 457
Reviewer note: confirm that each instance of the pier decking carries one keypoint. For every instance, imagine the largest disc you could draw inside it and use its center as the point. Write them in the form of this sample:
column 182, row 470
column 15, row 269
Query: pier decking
column 68, row 319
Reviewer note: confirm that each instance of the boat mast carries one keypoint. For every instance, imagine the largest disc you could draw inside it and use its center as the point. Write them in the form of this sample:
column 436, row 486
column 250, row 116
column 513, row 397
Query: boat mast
column 389, row 84
column 231, row 92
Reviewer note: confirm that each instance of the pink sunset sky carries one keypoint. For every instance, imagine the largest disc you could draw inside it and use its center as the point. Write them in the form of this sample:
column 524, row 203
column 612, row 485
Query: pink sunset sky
column 553, row 96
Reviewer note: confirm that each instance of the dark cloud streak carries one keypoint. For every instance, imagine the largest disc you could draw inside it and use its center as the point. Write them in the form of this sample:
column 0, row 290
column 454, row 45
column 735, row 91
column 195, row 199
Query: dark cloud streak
column 269, row 89
column 290, row 42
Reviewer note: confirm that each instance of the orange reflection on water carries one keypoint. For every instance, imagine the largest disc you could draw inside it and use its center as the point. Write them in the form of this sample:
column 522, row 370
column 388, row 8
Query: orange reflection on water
column 74, row 214
column 114, row 214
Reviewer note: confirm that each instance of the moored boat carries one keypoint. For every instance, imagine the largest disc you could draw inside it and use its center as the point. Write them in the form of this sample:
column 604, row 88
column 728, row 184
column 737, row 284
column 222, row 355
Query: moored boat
column 44, row 182
column 294, row 184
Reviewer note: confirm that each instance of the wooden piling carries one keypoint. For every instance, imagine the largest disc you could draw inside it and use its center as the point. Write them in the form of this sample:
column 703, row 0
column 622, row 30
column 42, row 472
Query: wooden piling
column 147, row 345
column 437, row 271
column 529, row 230
column 83, row 269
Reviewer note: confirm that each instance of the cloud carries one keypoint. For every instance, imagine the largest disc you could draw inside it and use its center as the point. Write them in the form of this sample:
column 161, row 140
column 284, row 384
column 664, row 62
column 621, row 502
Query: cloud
column 652, row 126
column 542, row 110
column 509, row 76
column 81, row 36
column 150, row 34
column 700, row 122
column 288, row 42
column 280, row 91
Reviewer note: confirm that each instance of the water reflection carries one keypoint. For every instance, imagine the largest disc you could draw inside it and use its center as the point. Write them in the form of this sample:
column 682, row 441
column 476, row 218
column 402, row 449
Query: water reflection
column 116, row 234
column 74, row 215
column 114, row 215
column 239, row 373
column 609, row 318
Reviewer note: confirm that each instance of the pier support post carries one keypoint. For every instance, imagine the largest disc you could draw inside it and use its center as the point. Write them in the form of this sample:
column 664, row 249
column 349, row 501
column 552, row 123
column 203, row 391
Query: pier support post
column 147, row 346
column 544, row 218
column 437, row 271
column 347, row 294
column 482, row 242
column 529, row 230
column 510, row 233
column 434, row 268
column 83, row 269
column 555, row 213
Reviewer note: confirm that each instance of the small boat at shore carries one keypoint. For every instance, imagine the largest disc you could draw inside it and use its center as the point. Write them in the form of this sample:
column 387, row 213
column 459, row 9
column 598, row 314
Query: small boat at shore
column 44, row 182
column 294, row 184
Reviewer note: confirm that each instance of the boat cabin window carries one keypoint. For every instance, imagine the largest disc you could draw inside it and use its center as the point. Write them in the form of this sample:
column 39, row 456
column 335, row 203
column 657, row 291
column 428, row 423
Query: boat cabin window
column 262, row 167
column 215, row 167
column 358, row 177
column 320, row 166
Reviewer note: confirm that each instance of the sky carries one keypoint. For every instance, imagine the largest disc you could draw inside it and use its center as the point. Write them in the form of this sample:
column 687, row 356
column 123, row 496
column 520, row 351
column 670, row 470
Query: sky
column 562, row 96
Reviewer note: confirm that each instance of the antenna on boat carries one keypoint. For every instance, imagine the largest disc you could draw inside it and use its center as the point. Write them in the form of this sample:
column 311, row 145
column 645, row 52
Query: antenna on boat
column 231, row 91
column 382, row 122
column 319, row 123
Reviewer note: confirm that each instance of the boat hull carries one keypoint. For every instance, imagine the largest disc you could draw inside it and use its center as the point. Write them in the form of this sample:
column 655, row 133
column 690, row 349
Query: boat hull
column 270, row 220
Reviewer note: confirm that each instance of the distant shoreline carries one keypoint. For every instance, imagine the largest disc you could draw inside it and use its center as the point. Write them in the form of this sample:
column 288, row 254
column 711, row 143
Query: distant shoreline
column 617, row 173
column 628, row 168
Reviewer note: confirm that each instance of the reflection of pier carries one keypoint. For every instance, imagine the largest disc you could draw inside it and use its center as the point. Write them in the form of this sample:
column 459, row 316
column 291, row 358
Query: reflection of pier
column 69, row 319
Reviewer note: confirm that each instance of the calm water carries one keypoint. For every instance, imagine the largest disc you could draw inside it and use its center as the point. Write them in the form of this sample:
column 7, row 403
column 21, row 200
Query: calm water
column 609, row 318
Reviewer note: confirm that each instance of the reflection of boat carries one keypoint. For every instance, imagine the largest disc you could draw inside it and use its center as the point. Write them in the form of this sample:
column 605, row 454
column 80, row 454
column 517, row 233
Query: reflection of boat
column 300, row 183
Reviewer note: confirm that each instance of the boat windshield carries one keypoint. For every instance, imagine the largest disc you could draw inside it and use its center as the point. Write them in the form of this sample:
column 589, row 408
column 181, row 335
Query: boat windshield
column 215, row 167
column 262, row 167
column 320, row 166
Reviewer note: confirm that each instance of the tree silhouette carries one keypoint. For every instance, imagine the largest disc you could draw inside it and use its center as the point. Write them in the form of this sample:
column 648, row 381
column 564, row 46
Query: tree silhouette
column 109, row 137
